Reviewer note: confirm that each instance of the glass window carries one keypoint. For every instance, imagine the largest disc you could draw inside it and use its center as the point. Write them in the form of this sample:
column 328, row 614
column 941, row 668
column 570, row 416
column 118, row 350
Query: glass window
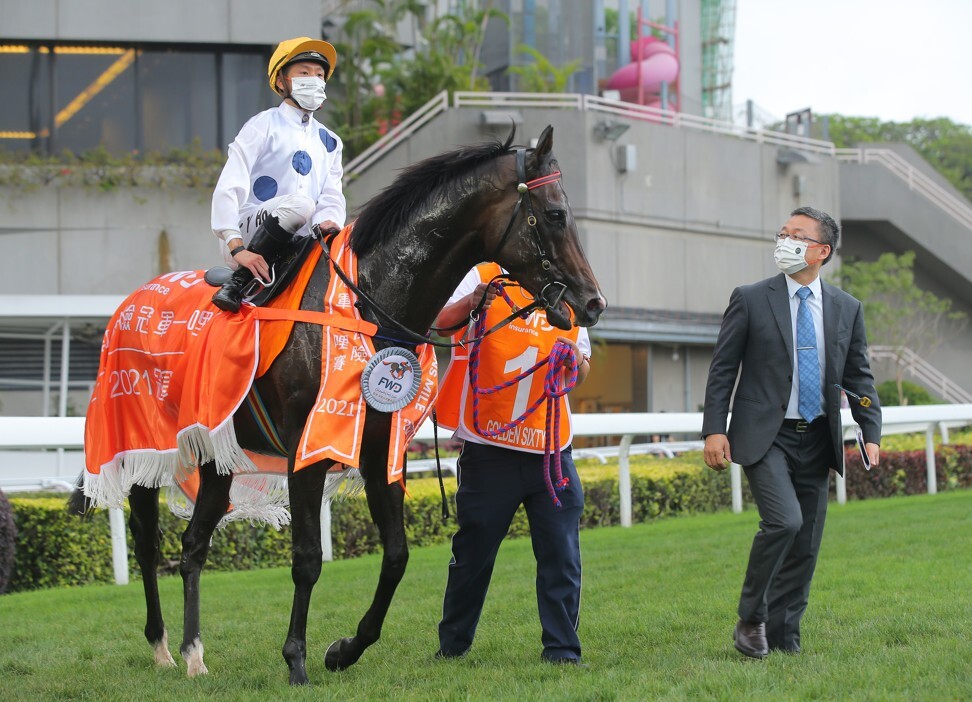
column 127, row 98
column 25, row 113
column 178, row 93
column 94, row 99
column 245, row 91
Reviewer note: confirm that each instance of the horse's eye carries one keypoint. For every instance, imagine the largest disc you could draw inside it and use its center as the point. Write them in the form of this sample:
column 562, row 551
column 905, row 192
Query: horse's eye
column 556, row 216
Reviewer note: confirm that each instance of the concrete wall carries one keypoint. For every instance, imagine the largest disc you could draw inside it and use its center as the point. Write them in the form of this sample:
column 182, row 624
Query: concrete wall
column 181, row 21
column 694, row 219
column 86, row 241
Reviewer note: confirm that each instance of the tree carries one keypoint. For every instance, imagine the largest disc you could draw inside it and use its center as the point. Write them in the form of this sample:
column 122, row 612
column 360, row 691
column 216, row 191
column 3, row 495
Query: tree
column 379, row 80
column 368, row 43
column 446, row 59
column 898, row 313
column 542, row 76
column 946, row 145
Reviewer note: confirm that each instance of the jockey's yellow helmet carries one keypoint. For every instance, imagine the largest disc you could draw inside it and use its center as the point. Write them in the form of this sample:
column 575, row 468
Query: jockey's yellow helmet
column 301, row 49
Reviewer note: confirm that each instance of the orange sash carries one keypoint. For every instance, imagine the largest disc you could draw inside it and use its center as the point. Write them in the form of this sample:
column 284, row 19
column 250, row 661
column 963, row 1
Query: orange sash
column 335, row 425
column 505, row 354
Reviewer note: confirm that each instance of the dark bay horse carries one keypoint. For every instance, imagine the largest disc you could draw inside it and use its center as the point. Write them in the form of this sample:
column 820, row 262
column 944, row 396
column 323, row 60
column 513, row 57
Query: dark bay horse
column 415, row 241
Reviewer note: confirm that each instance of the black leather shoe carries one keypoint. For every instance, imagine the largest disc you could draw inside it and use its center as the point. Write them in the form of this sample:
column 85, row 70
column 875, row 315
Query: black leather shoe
column 230, row 296
column 446, row 654
column 750, row 639
column 575, row 662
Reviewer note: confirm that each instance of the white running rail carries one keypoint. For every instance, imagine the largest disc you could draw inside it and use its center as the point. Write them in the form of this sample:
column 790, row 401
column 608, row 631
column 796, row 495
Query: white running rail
column 924, row 372
column 33, row 433
column 957, row 207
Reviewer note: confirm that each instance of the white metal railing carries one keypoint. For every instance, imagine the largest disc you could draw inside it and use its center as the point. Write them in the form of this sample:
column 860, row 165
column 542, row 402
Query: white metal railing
column 572, row 101
column 706, row 124
column 957, row 207
column 35, row 433
column 924, row 372
column 440, row 103
column 576, row 101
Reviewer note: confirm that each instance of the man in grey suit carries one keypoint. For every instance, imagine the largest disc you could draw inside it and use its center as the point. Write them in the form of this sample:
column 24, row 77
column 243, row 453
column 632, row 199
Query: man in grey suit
column 795, row 338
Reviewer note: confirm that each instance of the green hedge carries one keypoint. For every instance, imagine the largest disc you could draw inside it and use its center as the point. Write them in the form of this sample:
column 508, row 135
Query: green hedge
column 55, row 548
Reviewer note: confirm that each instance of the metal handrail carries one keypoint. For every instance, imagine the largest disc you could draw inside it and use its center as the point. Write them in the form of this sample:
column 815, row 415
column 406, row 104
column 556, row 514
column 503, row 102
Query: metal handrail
column 581, row 102
column 707, row 124
column 924, row 372
column 917, row 181
column 401, row 131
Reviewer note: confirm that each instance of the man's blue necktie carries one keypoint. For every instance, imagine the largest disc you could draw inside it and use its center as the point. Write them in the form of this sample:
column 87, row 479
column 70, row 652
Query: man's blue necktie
column 808, row 363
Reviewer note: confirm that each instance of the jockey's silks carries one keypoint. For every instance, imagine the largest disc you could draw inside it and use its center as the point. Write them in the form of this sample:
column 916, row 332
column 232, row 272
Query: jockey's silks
column 505, row 354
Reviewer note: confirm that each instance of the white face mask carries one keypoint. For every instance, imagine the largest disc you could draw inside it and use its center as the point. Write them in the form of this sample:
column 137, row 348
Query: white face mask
column 790, row 255
column 308, row 91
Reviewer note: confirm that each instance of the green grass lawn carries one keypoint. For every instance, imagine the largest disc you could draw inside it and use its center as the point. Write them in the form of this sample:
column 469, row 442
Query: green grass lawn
column 890, row 618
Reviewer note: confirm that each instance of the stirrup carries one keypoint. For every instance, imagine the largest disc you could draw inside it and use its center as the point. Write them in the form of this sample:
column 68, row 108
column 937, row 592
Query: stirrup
column 255, row 286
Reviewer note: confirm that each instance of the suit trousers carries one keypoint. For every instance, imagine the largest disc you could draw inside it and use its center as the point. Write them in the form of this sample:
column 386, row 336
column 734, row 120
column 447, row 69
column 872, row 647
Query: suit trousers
column 493, row 482
column 790, row 485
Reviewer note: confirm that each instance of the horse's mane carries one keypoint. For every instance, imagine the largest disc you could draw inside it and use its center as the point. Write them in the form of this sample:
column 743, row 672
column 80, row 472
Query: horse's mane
column 392, row 209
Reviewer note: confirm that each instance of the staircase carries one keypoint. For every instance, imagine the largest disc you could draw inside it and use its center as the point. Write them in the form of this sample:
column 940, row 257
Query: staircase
column 923, row 372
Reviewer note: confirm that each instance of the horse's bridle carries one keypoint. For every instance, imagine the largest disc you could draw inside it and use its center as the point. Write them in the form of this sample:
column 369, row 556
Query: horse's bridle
column 550, row 295
column 554, row 289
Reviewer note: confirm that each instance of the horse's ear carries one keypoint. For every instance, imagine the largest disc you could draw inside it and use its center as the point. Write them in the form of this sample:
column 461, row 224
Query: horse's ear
column 544, row 145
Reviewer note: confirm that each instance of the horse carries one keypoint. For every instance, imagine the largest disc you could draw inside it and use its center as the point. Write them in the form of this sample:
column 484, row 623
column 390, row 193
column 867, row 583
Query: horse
column 415, row 241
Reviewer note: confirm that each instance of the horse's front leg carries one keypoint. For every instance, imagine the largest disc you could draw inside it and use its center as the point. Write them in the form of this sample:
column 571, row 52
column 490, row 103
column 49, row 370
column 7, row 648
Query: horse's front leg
column 144, row 523
column 211, row 504
column 306, row 495
column 386, row 505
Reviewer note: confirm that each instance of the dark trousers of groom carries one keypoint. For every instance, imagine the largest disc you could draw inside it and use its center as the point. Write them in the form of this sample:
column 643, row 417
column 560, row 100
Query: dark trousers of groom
column 790, row 486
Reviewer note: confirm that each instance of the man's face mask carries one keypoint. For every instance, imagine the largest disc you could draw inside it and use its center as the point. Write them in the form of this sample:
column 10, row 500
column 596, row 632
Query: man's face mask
column 308, row 91
column 790, row 255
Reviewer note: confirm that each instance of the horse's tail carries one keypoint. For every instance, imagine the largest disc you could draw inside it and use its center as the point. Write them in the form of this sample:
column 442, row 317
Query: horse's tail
column 78, row 503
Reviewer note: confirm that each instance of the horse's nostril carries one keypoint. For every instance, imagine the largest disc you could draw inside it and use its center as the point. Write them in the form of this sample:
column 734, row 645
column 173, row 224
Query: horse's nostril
column 596, row 304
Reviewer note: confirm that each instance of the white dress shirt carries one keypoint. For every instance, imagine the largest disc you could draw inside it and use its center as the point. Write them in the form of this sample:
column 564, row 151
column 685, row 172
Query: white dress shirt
column 280, row 151
column 815, row 302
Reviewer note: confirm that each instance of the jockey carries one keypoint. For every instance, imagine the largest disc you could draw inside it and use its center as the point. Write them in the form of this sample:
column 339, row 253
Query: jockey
column 283, row 174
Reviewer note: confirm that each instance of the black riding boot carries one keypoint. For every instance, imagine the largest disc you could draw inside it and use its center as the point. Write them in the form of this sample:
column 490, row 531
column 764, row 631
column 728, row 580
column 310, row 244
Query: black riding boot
column 270, row 240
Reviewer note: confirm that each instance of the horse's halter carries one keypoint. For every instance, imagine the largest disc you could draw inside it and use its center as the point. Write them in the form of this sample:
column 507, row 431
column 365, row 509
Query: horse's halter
column 553, row 292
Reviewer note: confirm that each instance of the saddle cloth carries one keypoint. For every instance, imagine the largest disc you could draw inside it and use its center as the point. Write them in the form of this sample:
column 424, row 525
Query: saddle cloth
column 174, row 369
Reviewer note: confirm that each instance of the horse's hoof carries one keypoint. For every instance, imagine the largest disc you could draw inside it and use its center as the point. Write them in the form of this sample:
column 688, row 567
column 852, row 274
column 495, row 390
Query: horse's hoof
column 163, row 659
column 332, row 658
column 298, row 677
column 193, row 656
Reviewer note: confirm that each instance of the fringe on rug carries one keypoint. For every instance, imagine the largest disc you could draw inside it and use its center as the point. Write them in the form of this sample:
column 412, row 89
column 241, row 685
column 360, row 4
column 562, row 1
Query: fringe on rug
column 149, row 468
column 152, row 468
column 260, row 498
column 343, row 484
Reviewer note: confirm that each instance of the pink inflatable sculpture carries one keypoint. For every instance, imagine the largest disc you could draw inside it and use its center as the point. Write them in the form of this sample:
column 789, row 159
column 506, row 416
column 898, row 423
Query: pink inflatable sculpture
column 658, row 65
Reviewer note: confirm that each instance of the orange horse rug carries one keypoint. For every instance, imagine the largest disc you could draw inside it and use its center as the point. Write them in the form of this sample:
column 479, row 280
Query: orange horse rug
column 174, row 369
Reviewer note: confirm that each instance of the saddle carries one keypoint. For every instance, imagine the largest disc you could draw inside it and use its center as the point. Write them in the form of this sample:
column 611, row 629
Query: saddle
column 282, row 272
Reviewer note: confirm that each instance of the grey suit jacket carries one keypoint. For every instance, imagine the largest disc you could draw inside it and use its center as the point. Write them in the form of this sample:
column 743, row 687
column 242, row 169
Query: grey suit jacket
column 756, row 344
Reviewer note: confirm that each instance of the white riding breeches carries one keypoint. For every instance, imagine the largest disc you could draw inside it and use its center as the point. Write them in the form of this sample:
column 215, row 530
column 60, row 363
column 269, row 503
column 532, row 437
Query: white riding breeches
column 293, row 212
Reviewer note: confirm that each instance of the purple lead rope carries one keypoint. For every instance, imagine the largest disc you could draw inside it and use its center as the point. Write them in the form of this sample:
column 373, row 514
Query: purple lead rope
column 555, row 386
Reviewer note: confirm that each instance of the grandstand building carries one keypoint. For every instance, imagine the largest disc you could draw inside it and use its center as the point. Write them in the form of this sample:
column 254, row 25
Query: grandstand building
column 675, row 207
